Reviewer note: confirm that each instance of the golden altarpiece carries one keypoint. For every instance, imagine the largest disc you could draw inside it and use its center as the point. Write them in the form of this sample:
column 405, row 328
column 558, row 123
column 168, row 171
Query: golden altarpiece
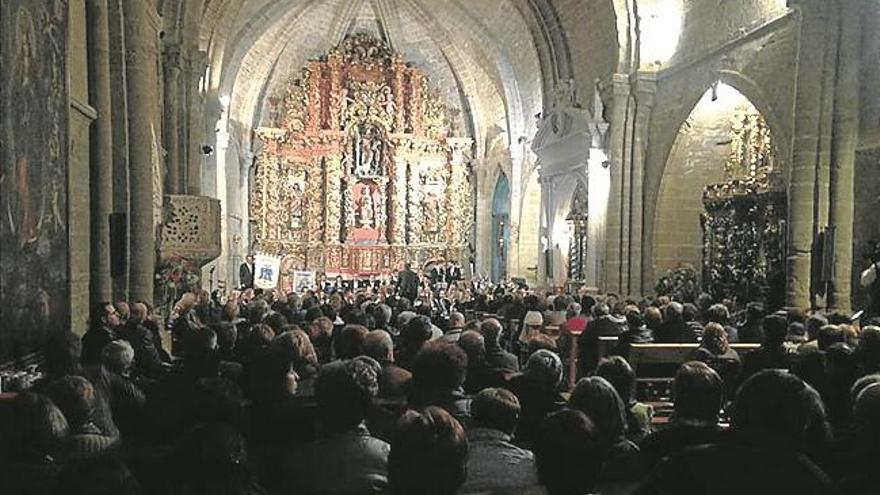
column 361, row 171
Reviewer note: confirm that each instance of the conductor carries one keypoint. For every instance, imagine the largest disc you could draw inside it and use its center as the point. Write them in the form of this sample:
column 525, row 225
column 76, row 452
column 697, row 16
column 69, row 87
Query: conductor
column 408, row 283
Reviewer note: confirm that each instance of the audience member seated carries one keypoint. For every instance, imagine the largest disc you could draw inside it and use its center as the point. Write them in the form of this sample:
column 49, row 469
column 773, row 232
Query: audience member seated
column 674, row 329
column 413, row 335
column 773, row 354
column 775, row 416
column 103, row 326
column 438, row 376
column 720, row 314
column 699, row 393
column 295, row 344
column 868, row 350
column 604, row 323
column 321, row 335
column 428, row 454
column 596, row 398
column 75, row 397
column 31, row 445
column 636, row 332
column 570, row 453
column 620, row 375
column 456, row 326
column 494, row 464
column 346, row 459
column 479, row 374
column 147, row 361
column 537, row 389
column 715, row 351
column 126, row 398
column 690, row 314
column 497, row 357
column 394, row 380
column 753, row 329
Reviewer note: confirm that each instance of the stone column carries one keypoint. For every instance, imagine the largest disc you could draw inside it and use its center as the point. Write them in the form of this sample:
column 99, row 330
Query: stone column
column 141, row 28
column 195, row 105
column 546, row 231
column 640, row 261
column 172, row 101
column 101, row 166
column 616, row 197
column 808, row 114
column 846, row 131
column 119, row 102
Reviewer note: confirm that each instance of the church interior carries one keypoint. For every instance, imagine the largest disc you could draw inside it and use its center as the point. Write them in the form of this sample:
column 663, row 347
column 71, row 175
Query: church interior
column 270, row 237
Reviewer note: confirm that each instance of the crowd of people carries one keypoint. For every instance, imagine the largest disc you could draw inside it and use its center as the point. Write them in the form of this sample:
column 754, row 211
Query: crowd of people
column 365, row 391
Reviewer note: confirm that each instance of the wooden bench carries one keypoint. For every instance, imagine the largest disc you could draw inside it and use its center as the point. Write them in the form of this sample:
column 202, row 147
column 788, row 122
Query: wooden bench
column 673, row 354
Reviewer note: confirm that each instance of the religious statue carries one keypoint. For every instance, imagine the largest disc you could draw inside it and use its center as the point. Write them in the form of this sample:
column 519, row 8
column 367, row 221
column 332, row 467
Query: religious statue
column 366, row 214
column 367, row 152
column 296, row 206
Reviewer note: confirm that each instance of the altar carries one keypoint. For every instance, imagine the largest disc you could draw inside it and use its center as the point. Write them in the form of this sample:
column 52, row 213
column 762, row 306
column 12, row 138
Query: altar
column 362, row 169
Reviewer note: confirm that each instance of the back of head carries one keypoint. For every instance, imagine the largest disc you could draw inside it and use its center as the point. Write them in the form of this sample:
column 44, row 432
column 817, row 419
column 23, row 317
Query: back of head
column 634, row 318
column 828, row 336
column 350, row 342
column 718, row 313
column 295, row 344
column 596, row 398
column 227, row 335
column 815, row 323
column 117, row 356
column 777, row 406
column 755, row 311
column 715, row 339
column 456, row 320
column 689, row 312
column 474, row 346
column 600, row 310
column 379, row 346
column 699, row 392
column 569, row 453
column 440, row 367
column 869, row 349
column 653, row 317
column 344, row 391
column 138, row 312
column 775, row 329
column 491, row 330
column 866, row 413
column 497, row 409
column 428, row 453
column 416, row 332
column 545, row 368
column 269, row 376
column 75, row 396
column 37, row 427
column 620, row 375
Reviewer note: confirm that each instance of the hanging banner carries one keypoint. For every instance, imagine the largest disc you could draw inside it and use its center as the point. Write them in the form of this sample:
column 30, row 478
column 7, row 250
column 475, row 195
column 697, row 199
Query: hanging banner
column 267, row 271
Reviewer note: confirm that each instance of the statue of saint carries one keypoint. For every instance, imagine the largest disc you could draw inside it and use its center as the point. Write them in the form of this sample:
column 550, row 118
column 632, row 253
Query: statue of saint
column 296, row 206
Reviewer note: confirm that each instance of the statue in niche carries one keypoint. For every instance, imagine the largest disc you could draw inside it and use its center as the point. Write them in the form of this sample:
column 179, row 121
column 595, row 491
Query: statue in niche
column 365, row 211
column 367, row 152
column 296, row 205
column 431, row 207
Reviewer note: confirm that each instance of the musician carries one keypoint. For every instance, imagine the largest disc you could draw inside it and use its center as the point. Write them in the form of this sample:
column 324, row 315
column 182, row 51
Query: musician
column 408, row 283
column 246, row 273
column 437, row 274
column 870, row 280
column 453, row 273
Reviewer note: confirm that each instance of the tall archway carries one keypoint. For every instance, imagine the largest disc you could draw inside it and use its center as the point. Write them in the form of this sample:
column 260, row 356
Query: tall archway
column 724, row 143
column 500, row 228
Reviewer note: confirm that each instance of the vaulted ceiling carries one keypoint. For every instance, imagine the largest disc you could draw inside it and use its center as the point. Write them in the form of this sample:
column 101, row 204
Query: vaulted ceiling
column 492, row 59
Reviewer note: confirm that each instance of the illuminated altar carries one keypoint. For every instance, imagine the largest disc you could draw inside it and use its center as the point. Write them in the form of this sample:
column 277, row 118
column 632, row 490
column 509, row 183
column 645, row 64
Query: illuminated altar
column 361, row 170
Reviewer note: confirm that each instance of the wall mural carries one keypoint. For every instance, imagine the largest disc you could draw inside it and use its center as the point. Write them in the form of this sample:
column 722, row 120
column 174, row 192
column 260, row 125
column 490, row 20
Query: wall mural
column 361, row 170
column 33, row 177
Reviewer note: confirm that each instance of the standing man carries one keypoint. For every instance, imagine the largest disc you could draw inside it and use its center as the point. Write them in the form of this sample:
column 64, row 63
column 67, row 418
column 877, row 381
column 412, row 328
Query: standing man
column 246, row 273
column 870, row 280
column 408, row 283
column 453, row 273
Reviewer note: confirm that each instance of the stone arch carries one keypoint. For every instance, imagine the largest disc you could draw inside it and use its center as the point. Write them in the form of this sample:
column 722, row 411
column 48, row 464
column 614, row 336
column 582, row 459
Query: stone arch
column 695, row 159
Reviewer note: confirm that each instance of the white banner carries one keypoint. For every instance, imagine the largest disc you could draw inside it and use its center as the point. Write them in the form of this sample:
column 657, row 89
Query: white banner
column 267, row 271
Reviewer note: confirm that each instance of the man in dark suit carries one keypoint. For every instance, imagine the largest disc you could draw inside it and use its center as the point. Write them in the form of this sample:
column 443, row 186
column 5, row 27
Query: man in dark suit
column 408, row 283
column 453, row 273
column 246, row 273
column 437, row 275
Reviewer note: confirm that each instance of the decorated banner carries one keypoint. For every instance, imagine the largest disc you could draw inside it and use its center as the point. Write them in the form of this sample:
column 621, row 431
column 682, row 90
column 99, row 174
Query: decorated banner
column 303, row 281
column 267, row 271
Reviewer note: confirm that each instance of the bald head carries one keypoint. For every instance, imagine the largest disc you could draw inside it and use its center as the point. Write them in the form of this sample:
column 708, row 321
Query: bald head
column 456, row 320
column 491, row 330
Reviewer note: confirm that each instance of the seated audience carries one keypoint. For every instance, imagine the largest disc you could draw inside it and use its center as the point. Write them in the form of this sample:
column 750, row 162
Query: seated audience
column 621, row 376
column 773, row 353
column 394, row 380
column 428, row 454
column 497, row 357
column 75, row 397
column 699, row 393
column 715, row 351
column 438, row 375
column 569, row 453
column 31, row 445
column 346, row 459
column 596, row 398
column 537, row 389
column 494, row 463
column 674, row 329
column 103, row 327
column 479, row 374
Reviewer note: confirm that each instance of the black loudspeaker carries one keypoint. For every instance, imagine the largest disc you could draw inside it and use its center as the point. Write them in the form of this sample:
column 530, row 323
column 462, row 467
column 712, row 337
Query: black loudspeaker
column 118, row 244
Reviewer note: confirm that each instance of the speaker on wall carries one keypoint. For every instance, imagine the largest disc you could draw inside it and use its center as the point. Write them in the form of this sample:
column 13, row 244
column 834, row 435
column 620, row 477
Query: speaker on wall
column 118, row 243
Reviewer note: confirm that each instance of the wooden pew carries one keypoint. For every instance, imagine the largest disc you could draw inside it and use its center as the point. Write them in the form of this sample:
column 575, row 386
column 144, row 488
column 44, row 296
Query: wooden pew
column 673, row 354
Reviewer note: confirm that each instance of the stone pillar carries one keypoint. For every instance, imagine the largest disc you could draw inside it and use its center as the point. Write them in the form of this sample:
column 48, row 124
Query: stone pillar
column 616, row 197
column 172, row 101
column 846, row 131
column 141, row 28
column 119, row 101
column 640, row 254
column 546, row 232
column 808, row 115
column 195, row 128
column 101, row 166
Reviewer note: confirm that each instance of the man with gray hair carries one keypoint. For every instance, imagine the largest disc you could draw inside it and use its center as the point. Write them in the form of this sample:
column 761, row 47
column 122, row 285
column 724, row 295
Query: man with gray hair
column 146, row 352
column 394, row 380
column 456, row 325
column 117, row 357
